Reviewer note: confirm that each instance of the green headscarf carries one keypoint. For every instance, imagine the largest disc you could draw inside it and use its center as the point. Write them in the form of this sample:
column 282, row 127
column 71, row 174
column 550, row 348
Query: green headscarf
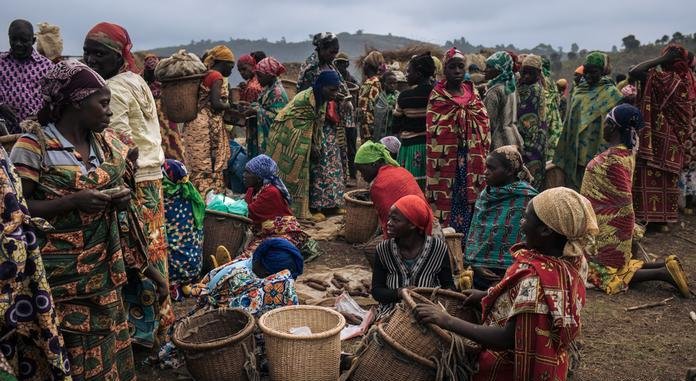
column 175, row 183
column 502, row 61
column 546, row 67
column 371, row 152
column 597, row 58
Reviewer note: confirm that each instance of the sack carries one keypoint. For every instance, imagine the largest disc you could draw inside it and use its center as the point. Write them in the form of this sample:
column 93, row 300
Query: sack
column 235, row 168
column 48, row 41
column 180, row 64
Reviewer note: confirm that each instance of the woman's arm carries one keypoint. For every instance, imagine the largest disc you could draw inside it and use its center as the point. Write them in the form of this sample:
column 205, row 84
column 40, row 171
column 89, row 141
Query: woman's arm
column 494, row 338
column 87, row 200
column 216, row 102
column 380, row 291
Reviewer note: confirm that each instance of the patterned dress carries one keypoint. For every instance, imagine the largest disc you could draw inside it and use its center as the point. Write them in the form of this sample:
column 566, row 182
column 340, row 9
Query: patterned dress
column 667, row 105
column 553, row 117
column 36, row 351
column 326, row 175
column 184, row 235
column 270, row 102
column 84, row 261
column 369, row 91
column 581, row 139
column 545, row 296
column 531, row 124
column 458, row 140
column 607, row 184
column 20, row 84
column 207, row 143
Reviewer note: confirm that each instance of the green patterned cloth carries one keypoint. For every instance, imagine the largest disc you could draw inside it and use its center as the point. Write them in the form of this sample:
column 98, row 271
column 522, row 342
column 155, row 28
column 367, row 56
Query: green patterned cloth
column 295, row 134
column 554, row 122
column 582, row 135
column 502, row 61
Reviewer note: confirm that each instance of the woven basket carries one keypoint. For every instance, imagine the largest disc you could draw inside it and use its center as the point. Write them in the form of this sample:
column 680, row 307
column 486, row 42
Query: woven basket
column 218, row 345
column 361, row 218
column 385, row 359
column 180, row 97
column 454, row 244
column 453, row 302
column 290, row 87
column 555, row 177
column 309, row 358
column 224, row 229
column 8, row 141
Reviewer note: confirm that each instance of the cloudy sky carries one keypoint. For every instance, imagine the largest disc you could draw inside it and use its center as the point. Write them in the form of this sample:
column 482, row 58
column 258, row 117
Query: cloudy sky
column 593, row 24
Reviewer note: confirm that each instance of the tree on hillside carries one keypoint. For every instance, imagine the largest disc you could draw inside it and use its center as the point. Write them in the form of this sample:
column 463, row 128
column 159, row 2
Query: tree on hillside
column 630, row 42
column 572, row 55
column 677, row 37
column 614, row 49
column 358, row 32
column 574, row 48
column 664, row 39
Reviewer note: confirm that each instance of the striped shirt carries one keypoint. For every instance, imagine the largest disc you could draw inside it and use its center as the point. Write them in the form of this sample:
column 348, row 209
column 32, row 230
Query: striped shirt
column 60, row 153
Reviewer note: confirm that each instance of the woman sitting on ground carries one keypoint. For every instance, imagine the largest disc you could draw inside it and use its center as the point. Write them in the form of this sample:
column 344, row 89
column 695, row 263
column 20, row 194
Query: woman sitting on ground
column 389, row 181
column 495, row 226
column 607, row 184
column 257, row 284
column 411, row 257
column 532, row 317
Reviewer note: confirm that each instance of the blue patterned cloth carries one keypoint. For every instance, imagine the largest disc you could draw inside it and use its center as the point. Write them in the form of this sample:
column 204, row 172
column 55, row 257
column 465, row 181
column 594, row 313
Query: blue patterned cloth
column 462, row 211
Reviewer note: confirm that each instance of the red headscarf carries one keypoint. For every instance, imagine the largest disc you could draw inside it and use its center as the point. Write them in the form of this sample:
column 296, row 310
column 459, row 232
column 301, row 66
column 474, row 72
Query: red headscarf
column 248, row 60
column 682, row 66
column 417, row 211
column 116, row 38
column 516, row 60
column 270, row 66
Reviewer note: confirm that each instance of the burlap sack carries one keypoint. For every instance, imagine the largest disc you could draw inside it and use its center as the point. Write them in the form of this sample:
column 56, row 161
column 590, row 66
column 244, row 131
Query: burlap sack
column 180, row 64
column 49, row 43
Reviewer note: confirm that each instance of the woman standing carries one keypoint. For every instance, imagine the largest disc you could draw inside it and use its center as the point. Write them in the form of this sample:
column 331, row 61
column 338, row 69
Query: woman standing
column 207, row 145
column 411, row 257
column 384, row 106
column 500, row 100
column 531, row 118
column 306, row 150
column 107, row 51
column 409, row 116
column 590, row 101
column 249, row 92
column 552, row 109
column 668, row 103
column 532, row 317
column 271, row 100
column 77, row 185
column 458, row 140
column 607, row 184
column 369, row 91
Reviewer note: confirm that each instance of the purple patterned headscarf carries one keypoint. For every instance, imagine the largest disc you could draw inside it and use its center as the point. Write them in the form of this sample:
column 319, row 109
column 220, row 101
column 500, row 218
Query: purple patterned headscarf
column 69, row 81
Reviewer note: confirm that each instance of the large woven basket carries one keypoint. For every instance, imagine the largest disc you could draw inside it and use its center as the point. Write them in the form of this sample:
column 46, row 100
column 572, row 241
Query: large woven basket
column 453, row 301
column 8, row 141
column 224, row 229
column 180, row 98
column 309, row 358
column 454, row 245
column 218, row 345
column 290, row 87
column 385, row 359
column 361, row 218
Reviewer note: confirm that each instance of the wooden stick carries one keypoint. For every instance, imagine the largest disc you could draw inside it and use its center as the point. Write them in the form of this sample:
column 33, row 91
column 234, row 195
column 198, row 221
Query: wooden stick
column 689, row 240
column 643, row 253
column 650, row 305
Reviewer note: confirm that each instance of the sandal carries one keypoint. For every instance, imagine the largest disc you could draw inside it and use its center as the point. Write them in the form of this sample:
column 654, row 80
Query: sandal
column 676, row 271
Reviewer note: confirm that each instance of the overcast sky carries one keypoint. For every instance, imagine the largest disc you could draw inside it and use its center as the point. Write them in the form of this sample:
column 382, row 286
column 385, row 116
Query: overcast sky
column 593, row 24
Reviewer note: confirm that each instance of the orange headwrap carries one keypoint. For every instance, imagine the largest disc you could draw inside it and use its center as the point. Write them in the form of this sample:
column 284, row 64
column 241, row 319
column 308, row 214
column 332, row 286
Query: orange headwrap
column 116, row 38
column 417, row 211
column 580, row 70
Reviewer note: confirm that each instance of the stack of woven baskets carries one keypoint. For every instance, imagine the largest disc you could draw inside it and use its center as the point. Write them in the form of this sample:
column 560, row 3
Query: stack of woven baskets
column 404, row 350
column 361, row 217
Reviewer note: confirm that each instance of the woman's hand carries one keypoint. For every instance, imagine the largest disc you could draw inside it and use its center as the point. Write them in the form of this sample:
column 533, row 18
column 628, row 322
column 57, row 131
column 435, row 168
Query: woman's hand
column 90, row 200
column 432, row 314
column 162, row 287
column 475, row 297
column 121, row 198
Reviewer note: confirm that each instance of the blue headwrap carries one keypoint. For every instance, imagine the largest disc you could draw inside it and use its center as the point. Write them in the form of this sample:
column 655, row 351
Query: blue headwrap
column 265, row 168
column 325, row 78
column 629, row 120
column 277, row 254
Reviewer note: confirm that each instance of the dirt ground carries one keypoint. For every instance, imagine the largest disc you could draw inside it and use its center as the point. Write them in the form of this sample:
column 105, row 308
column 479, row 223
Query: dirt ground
column 656, row 344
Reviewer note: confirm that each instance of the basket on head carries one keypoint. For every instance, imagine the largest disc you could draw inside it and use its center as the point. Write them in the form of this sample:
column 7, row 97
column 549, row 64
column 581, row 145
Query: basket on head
column 218, row 345
column 384, row 358
column 290, row 87
column 361, row 219
column 224, row 229
column 180, row 97
column 315, row 357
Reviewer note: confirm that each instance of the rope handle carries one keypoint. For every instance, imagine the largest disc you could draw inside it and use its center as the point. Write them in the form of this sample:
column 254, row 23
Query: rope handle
column 250, row 364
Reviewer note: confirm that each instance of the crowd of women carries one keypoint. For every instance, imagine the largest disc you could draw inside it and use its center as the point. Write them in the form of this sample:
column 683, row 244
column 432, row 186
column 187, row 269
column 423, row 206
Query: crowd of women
column 103, row 196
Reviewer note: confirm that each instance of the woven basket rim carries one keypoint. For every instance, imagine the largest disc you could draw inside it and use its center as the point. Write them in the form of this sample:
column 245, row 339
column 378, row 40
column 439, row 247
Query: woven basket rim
column 289, row 81
column 408, row 296
column 426, row 291
column 454, row 235
column 228, row 215
column 314, row 336
column 184, row 78
column 239, row 336
column 403, row 350
column 348, row 196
